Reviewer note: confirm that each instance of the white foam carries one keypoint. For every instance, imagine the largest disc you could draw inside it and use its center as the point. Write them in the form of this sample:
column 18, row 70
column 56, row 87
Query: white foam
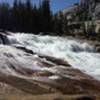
column 79, row 55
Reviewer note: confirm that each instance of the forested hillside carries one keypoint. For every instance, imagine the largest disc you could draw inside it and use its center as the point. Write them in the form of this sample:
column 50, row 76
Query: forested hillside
column 25, row 17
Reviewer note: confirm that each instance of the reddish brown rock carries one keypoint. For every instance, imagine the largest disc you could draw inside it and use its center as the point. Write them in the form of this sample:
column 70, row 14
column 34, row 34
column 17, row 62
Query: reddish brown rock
column 33, row 74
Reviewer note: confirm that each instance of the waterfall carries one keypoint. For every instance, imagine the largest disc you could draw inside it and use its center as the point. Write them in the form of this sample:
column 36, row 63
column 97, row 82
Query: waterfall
column 80, row 55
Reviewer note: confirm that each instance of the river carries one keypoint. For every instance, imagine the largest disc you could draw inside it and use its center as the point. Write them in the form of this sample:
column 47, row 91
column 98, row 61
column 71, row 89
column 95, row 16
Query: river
column 79, row 55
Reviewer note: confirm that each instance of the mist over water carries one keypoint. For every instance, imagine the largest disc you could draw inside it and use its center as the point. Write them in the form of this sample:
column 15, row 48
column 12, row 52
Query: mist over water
column 79, row 55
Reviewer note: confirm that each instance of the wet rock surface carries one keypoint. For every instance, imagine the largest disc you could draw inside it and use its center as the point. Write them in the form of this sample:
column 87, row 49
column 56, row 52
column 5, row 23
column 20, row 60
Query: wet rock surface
column 36, row 73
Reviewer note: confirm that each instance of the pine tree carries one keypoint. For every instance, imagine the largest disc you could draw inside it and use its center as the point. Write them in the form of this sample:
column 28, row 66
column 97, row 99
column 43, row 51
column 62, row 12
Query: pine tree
column 29, row 17
column 36, row 20
column 14, row 15
column 46, row 16
column 4, row 16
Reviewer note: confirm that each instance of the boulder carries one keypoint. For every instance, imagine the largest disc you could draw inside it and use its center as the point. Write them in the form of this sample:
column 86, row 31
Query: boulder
column 4, row 39
column 98, row 49
column 86, row 98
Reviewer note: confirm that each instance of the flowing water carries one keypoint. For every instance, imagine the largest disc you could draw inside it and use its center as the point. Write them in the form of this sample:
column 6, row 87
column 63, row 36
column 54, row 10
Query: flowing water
column 79, row 55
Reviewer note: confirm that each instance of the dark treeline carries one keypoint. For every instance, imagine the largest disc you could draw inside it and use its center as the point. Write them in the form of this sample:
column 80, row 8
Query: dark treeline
column 24, row 17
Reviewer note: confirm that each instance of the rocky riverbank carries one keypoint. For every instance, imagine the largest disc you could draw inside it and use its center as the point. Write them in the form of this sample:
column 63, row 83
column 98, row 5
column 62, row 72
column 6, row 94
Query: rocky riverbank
column 10, row 93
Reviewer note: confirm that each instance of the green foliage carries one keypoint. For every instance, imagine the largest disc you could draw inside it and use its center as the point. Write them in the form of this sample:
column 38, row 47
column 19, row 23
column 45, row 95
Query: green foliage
column 45, row 15
column 25, row 17
column 60, row 24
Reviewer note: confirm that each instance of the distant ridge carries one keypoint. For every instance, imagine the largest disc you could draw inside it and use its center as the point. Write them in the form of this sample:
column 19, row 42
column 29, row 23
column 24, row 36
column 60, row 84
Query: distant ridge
column 84, row 10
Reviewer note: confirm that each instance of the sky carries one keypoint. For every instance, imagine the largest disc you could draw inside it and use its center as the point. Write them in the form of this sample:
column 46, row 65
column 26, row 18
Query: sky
column 56, row 5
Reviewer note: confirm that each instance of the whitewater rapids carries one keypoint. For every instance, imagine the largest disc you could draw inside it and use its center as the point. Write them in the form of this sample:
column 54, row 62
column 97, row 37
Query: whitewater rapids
column 79, row 55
